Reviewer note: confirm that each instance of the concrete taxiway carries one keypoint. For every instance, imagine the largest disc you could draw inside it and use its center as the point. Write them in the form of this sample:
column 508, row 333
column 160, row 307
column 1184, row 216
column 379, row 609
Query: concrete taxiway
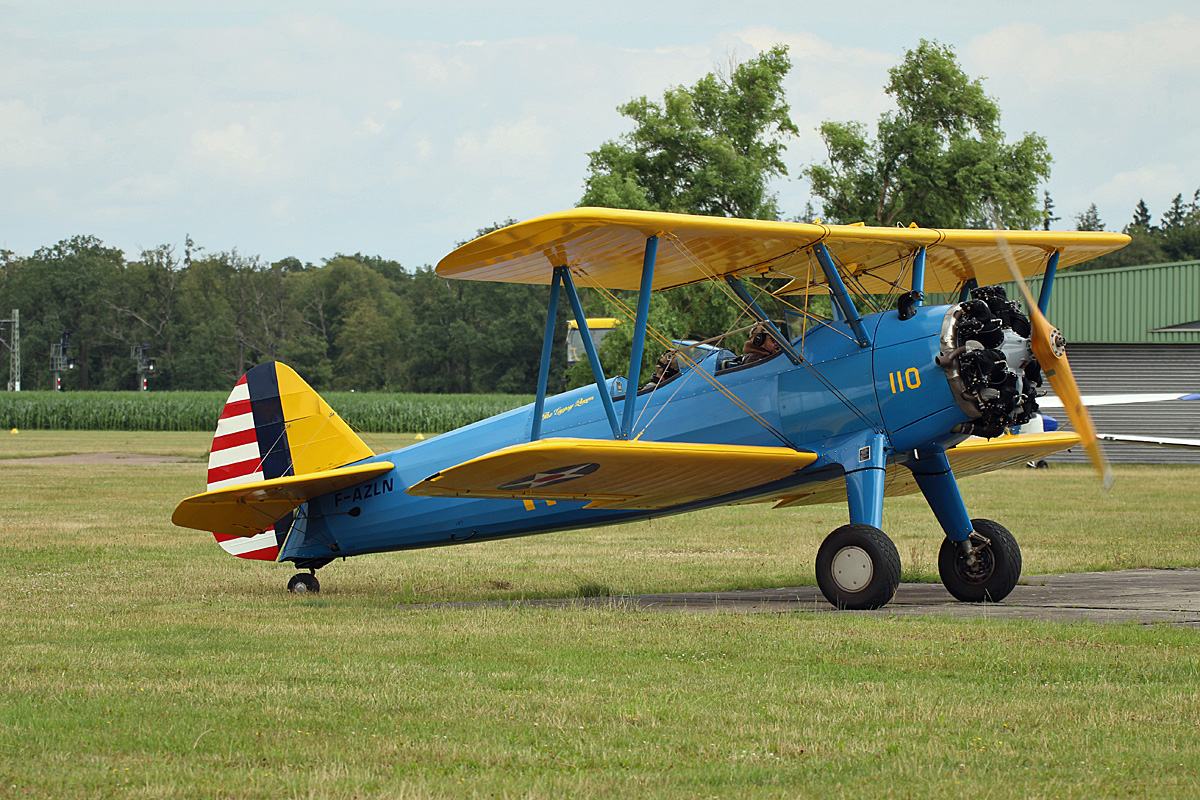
column 1168, row 596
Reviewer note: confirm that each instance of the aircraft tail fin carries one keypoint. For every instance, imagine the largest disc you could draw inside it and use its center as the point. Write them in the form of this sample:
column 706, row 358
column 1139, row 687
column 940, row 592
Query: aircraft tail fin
column 274, row 425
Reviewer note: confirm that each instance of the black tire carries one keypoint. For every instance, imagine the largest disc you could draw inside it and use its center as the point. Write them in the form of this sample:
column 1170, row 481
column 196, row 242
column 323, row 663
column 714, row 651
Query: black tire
column 302, row 583
column 858, row 567
column 996, row 570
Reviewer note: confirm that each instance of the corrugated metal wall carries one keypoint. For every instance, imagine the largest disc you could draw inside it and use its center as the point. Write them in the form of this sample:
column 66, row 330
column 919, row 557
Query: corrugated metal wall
column 1120, row 368
column 1123, row 306
column 1108, row 318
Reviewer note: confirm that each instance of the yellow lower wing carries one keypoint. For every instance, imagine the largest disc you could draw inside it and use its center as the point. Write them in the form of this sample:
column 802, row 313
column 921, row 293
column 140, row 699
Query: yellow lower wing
column 251, row 508
column 615, row 474
column 972, row 457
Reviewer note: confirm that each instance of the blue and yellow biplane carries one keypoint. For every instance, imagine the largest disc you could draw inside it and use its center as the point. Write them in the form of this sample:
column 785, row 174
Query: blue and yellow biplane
column 852, row 407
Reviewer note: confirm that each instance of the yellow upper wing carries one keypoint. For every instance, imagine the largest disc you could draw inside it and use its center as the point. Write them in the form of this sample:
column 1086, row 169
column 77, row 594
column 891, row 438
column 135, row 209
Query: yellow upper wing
column 615, row 474
column 604, row 247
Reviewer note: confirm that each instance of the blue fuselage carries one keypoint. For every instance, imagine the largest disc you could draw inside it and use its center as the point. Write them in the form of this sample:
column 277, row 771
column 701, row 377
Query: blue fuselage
column 841, row 396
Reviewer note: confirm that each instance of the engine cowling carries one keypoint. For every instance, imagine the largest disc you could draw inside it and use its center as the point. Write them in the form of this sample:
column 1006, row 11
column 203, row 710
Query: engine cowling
column 989, row 362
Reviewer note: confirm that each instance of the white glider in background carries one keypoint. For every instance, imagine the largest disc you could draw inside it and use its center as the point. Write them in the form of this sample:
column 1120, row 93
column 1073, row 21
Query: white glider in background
column 1051, row 401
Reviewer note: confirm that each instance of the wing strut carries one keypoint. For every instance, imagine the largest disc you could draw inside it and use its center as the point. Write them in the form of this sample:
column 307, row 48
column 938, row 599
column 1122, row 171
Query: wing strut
column 547, row 345
column 965, row 291
column 837, row 288
column 1047, row 283
column 639, row 336
column 562, row 276
column 585, row 333
column 918, row 273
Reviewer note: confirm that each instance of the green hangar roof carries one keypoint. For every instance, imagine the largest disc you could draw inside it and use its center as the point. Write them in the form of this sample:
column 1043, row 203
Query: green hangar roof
column 1154, row 304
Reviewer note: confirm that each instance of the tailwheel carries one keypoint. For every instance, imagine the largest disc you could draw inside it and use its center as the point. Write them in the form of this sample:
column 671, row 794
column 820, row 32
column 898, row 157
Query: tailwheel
column 304, row 584
column 984, row 568
column 858, row 567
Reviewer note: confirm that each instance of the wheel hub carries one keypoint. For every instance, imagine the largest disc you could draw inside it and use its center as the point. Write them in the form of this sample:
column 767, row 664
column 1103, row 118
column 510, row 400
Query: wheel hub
column 852, row 569
column 979, row 567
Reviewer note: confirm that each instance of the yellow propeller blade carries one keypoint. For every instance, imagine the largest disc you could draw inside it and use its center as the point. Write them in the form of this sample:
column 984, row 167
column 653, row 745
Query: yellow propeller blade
column 1051, row 351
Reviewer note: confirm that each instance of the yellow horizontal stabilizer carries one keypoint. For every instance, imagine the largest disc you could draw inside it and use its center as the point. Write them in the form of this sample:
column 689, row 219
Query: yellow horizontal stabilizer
column 605, row 247
column 250, row 508
column 615, row 474
column 972, row 457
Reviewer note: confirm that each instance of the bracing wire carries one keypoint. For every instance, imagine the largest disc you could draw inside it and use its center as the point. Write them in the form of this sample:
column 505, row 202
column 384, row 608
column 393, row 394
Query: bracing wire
column 804, row 362
column 811, row 369
column 619, row 304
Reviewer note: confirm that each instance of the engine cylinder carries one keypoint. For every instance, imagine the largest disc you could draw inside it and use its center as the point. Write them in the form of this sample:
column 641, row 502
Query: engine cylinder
column 989, row 362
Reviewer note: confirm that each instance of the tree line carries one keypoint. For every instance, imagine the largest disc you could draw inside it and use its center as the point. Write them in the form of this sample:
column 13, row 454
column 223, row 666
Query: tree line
column 1175, row 237
column 352, row 322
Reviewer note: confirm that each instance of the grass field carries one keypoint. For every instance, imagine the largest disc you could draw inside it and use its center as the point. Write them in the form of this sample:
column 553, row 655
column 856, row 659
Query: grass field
column 140, row 661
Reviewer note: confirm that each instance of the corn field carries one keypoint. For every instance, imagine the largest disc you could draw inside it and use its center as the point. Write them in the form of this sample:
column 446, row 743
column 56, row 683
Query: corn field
column 198, row 411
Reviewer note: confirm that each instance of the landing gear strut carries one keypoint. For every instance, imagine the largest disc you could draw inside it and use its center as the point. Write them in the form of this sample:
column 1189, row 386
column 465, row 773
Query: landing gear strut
column 302, row 583
column 985, row 567
column 858, row 567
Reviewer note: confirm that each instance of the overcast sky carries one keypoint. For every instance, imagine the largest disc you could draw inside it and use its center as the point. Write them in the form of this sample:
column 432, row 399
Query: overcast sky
column 398, row 129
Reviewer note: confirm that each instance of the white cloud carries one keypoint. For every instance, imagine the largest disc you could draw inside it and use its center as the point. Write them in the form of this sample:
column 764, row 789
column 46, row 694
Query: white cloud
column 238, row 148
column 28, row 141
column 1136, row 58
column 1117, row 107
column 307, row 134
column 145, row 187
column 509, row 149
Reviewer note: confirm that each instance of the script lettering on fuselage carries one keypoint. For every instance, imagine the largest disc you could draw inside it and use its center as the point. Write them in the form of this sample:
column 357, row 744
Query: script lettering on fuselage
column 581, row 401
column 364, row 492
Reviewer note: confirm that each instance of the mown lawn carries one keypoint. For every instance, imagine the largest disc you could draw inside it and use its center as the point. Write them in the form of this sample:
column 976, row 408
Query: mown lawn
column 140, row 661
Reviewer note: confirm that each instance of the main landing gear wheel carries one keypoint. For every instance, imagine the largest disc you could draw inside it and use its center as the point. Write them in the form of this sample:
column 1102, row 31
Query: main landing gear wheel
column 302, row 583
column 989, row 571
column 858, row 567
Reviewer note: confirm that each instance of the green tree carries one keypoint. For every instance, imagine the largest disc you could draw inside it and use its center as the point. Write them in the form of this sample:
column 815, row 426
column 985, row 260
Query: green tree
column 1181, row 229
column 1141, row 219
column 936, row 160
column 1176, row 215
column 143, row 308
column 205, row 357
column 340, row 325
column 68, row 287
column 348, row 323
column 477, row 336
column 234, row 309
column 1048, row 217
column 370, row 344
column 1176, row 239
column 1089, row 220
column 448, row 338
column 709, row 149
column 712, row 148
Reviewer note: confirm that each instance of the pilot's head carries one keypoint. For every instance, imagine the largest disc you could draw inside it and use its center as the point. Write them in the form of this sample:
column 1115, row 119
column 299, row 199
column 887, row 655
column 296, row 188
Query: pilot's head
column 760, row 342
column 666, row 365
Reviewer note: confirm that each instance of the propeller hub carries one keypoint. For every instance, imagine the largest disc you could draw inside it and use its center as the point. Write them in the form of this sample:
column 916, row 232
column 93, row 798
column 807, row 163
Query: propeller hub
column 1057, row 343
